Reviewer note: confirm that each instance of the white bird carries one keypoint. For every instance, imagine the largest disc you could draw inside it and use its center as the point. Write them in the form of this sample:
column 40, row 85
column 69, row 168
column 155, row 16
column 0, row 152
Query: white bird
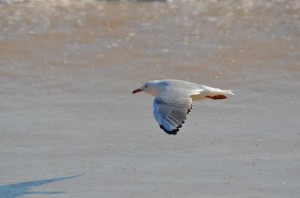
column 173, row 100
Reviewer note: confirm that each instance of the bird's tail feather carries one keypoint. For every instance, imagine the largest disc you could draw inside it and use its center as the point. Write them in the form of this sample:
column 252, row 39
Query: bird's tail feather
column 228, row 92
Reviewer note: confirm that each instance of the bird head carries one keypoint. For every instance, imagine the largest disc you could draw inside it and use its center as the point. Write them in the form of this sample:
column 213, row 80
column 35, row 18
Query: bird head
column 153, row 88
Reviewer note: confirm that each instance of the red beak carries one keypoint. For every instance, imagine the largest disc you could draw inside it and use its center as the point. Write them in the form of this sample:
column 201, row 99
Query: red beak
column 137, row 90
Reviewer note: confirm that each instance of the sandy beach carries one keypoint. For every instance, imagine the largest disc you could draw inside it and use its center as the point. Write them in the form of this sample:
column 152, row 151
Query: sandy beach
column 70, row 127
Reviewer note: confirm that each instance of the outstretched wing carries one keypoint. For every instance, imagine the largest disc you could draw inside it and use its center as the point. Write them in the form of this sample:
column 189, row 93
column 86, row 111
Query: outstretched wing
column 170, row 109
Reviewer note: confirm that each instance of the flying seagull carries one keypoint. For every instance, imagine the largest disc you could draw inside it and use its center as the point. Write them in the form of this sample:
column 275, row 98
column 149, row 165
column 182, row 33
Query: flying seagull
column 173, row 100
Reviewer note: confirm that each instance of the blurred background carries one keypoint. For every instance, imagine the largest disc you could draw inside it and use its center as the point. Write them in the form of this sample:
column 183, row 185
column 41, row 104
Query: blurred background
column 67, row 70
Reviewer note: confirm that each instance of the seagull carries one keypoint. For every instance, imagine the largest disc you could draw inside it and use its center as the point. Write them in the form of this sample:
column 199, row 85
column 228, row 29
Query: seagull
column 173, row 100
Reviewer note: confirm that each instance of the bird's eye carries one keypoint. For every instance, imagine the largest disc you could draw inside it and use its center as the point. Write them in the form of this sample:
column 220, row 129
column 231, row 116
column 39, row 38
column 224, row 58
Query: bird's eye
column 146, row 86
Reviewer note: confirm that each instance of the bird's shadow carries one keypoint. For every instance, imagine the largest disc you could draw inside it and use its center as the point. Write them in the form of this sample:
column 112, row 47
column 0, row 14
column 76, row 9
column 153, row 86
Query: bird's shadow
column 24, row 188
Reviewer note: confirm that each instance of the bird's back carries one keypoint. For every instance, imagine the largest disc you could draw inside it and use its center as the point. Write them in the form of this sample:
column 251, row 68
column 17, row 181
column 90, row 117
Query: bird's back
column 182, row 84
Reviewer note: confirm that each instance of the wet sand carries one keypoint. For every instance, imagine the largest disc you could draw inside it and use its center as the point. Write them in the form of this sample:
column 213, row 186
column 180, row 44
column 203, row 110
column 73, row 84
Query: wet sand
column 70, row 126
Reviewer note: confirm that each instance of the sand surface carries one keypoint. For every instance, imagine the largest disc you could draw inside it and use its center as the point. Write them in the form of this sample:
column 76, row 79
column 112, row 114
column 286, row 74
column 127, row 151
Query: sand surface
column 70, row 127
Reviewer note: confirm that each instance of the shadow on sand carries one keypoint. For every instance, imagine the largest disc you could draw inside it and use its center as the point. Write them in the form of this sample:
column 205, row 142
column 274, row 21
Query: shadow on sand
column 23, row 188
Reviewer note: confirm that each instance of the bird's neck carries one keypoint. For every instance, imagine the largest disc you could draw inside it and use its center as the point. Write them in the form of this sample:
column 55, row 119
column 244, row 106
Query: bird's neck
column 156, row 91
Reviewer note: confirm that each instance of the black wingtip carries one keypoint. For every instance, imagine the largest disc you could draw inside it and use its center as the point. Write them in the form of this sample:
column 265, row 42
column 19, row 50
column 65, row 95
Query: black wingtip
column 190, row 109
column 173, row 132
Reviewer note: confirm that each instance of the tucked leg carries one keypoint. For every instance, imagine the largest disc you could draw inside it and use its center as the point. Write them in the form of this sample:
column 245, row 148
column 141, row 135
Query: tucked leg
column 217, row 97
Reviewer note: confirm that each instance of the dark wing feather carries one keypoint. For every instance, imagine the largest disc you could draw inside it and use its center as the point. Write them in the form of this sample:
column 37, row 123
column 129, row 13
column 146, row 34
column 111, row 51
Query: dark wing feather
column 170, row 109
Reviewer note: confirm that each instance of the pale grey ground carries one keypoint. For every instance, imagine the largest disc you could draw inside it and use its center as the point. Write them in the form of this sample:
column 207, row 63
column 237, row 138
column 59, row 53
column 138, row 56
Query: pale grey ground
column 67, row 70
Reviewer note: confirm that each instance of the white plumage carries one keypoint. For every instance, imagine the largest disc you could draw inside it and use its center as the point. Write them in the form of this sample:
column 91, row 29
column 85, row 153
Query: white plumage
column 173, row 100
